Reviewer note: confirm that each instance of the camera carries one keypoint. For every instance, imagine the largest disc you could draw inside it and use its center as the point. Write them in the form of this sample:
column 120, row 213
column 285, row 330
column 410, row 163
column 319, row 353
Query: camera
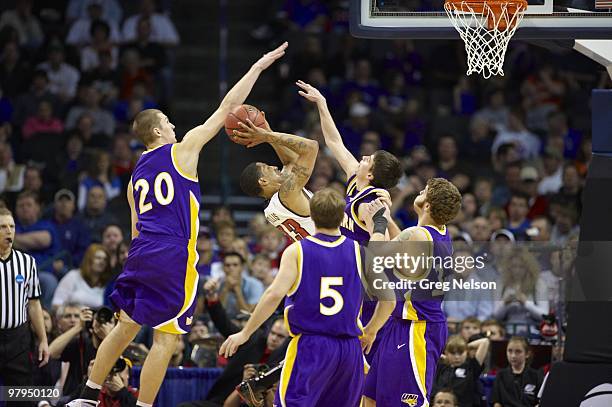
column 261, row 368
column 120, row 365
column 102, row 315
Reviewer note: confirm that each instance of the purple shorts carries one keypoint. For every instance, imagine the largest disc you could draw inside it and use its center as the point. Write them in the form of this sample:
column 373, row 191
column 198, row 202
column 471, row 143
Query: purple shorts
column 159, row 282
column 321, row 371
column 404, row 366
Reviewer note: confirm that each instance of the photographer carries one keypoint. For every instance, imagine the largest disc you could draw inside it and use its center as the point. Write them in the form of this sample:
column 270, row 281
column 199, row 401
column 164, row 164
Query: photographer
column 267, row 347
column 79, row 344
column 250, row 371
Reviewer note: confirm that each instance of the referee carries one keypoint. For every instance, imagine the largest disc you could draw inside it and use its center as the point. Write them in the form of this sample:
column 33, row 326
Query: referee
column 19, row 303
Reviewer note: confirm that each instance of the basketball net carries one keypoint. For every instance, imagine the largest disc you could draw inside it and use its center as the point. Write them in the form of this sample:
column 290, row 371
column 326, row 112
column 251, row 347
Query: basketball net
column 486, row 28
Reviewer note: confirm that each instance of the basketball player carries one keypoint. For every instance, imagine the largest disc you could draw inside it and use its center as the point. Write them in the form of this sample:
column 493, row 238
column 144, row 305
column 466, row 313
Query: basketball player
column 365, row 178
column 159, row 281
column 320, row 275
column 288, row 206
column 416, row 332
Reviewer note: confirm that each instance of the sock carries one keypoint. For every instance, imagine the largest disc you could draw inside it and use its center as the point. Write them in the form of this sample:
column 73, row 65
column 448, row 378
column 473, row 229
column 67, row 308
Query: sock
column 143, row 404
column 91, row 391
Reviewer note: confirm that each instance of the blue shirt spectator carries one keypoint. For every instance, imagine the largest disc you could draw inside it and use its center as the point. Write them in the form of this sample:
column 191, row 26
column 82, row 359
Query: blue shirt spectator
column 73, row 233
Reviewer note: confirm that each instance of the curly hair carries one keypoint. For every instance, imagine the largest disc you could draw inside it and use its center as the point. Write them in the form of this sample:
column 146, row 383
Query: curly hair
column 445, row 200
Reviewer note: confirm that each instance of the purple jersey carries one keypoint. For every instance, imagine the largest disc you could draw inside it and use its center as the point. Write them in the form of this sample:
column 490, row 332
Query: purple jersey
column 327, row 295
column 426, row 304
column 352, row 226
column 166, row 200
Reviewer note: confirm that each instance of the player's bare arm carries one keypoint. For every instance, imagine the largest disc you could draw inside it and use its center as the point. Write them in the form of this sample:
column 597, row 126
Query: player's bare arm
column 271, row 298
column 188, row 150
column 332, row 136
column 298, row 172
column 133, row 215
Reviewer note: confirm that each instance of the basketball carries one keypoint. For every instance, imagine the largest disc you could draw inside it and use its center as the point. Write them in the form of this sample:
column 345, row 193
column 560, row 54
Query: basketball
column 241, row 114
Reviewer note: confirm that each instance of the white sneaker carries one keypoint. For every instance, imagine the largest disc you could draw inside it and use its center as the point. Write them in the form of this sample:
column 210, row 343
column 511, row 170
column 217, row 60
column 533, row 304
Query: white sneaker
column 82, row 403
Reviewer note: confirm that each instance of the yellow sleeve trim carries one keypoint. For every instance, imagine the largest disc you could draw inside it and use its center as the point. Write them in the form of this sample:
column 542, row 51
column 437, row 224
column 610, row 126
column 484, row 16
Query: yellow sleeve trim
column 178, row 168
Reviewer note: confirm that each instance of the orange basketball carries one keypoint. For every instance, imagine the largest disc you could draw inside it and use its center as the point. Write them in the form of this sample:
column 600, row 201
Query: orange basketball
column 241, row 114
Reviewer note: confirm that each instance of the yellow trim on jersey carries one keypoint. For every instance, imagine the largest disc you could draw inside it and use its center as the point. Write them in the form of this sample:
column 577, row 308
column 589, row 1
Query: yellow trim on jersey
column 287, row 368
column 286, row 320
column 335, row 243
column 178, row 168
column 352, row 184
column 153, row 149
column 358, row 259
column 358, row 221
column 418, row 354
column 440, row 231
column 409, row 312
column 300, row 263
column 191, row 274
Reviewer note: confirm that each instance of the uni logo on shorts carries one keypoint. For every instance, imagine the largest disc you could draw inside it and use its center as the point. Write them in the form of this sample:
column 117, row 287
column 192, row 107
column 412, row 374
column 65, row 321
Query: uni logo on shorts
column 410, row 399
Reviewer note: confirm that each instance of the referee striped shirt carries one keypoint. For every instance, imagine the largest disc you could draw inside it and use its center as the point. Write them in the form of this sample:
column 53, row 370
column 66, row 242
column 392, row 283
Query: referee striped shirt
column 18, row 284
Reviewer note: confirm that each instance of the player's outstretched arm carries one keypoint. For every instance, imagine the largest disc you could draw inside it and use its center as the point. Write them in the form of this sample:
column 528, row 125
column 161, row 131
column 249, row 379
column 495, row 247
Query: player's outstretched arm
column 269, row 301
column 332, row 136
column 197, row 137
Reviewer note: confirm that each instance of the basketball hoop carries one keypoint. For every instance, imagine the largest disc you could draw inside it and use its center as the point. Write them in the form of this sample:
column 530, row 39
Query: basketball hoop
column 486, row 27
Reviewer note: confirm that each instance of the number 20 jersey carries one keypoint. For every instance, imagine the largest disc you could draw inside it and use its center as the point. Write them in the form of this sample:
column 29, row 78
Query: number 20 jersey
column 166, row 199
column 294, row 226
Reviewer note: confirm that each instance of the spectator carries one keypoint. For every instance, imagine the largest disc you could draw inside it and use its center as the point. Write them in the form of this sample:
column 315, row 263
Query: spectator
column 239, row 291
column 123, row 161
column 558, row 127
column 70, row 163
column 27, row 26
column 162, row 28
column 37, row 236
column 261, row 269
column 116, row 391
column 538, row 204
column 80, row 33
column 478, row 145
column 571, row 189
column 206, row 253
column 495, row 112
column 469, row 327
column 63, row 78
column 493, row 330
column 68, row 316
column 101, row 42
column 11, row 173
column 72, row 232
column 528, row 144
column 565, row 226
column 95, row 214
column 445, row 398
column 111, row 10
column 100, row 174
column 480, row 230
column 42, row 122
column 448, row 163
column 78, row 346
column 517, row 384
column 104, row 78
column 13, row 71
column 132, row 73
column 120, row 254
column 272, row 243
column 28, row 104
column 152, row 54
column 102, row 120
column 512, row 184
column 461, row 373
column 497, row 219
column 523, row 297
column 86, row 284
column 553, row 172
column 112, row 236
column 518, row 208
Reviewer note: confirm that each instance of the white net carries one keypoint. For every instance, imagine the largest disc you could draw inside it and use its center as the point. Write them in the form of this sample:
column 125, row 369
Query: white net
column 486, row 30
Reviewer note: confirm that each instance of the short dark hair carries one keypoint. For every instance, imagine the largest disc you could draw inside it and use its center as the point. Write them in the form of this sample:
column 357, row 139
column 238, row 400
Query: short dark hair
column 249, row 180
column 28, row 194
column 144, row 123
column 386, row 170
column 327, row 208
column 228, row 254
column 520, row 195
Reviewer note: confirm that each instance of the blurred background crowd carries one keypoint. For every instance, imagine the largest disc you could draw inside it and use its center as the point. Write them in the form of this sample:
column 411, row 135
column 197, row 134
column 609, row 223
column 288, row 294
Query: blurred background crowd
column 74, row 73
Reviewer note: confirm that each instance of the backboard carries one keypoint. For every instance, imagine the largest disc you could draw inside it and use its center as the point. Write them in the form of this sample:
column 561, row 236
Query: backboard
column 544, row 19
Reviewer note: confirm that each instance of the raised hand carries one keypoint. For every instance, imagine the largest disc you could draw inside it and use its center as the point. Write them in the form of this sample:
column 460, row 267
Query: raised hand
column 310, row 93
column 268, row 58
column 250, row 135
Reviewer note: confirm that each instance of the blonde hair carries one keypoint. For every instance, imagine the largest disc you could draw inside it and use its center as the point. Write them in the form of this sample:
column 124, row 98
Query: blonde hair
column 527, row 284
column 455, row 344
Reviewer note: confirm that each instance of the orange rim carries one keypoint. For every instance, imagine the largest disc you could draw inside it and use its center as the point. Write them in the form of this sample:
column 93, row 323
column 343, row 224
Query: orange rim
column 496, row 6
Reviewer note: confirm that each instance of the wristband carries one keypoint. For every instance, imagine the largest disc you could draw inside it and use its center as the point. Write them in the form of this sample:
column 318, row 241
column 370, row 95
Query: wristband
column 380, row 222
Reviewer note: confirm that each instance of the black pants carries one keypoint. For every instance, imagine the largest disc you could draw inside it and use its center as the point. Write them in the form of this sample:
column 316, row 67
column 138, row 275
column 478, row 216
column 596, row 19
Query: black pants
column 15, row 362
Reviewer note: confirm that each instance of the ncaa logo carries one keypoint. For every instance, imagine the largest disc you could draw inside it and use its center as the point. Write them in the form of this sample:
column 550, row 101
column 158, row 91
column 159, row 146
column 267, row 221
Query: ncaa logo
column 598, row 396
column 19, row 279
column 410, row 399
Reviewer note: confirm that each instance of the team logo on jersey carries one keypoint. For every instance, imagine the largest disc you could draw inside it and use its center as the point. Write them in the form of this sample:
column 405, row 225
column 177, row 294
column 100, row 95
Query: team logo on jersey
column 189, row 320
column 19, row 279
column 530, row 389
column 410, row 399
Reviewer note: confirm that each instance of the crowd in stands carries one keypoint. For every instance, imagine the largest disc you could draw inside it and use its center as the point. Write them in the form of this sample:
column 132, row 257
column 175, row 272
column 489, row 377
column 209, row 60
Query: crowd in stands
column 517, row 147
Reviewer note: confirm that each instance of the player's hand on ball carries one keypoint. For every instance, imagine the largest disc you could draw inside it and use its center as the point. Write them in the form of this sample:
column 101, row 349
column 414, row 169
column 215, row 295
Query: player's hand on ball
column 385, row 197
column 309, row 92
column 367, row 339
column 231, row 344
column 250, row 135
column 268, row 58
